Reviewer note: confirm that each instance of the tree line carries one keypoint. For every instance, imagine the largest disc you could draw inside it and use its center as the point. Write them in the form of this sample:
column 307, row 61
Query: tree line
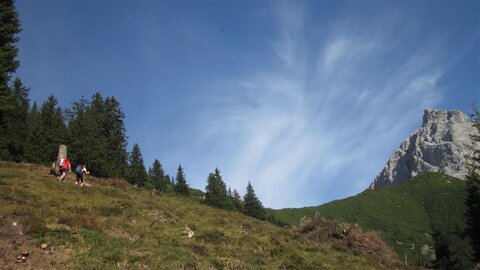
column 93, row 129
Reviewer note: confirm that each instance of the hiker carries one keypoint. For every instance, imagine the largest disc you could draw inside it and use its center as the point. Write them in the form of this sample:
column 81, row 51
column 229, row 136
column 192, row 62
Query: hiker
column 64, row 167
column 79, row 171
column 53, row 171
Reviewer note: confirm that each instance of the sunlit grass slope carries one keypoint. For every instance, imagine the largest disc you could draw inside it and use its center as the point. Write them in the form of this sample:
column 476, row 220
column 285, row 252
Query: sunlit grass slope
column 113, row 225
column 404, row 214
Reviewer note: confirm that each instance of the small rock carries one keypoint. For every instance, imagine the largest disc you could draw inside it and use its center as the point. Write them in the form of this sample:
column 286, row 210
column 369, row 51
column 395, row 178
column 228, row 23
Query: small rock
column 24, row 259
column 19, row 259
column 188, row 232
column 25, row 253
column 44, row 245
column 14, row 224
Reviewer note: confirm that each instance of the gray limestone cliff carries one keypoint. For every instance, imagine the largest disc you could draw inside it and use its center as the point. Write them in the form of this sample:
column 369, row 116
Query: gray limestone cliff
column 439, row 145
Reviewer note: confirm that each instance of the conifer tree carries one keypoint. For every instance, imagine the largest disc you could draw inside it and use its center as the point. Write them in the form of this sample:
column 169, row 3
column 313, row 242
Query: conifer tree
column 97, row 135
column 80, row 134
column 237, row 201
column 136, row 170
column 52, row 132
column 33, row 147
column 9, row 29
column 115, row 132
column 443, row 254
column 19, row 118
column 216, row 192
column 95, row 144
column 15, row 120
column 156, row 176
column 473, row 188
column 181, row 186
column 252, row 205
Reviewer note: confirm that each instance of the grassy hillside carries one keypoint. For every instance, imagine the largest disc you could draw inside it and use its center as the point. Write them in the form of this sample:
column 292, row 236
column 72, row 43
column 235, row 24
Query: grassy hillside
column 113, row 225
column 404, row 214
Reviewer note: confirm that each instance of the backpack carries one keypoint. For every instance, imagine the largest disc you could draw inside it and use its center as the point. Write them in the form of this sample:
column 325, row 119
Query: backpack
column 79, row 168
column 66, row 165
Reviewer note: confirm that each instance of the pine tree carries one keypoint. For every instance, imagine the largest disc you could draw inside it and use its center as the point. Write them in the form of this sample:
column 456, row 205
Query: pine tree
column 7, row 106
column 96, row 143
column 33, row 147
column 98, row 136
column 443, row 254
column 136, row 170
column 9, row 29
column 237, row 201
column 15, row 121
column 52, row 132
column 157, row 177
column 181, row 186
column 80, row 135
column 115, row 133
column 252, row 205
column 216, row 192
column 20, row 115
column 473, row 188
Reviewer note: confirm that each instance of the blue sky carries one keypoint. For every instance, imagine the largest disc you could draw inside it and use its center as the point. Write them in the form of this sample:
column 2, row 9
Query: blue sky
column 305, row 99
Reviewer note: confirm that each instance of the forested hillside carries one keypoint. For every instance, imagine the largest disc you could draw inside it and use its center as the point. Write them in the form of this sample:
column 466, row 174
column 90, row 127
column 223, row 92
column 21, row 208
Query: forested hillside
column 408, row 216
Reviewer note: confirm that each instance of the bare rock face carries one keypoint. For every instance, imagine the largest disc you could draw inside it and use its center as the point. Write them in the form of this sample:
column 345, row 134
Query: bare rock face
column 439, row 145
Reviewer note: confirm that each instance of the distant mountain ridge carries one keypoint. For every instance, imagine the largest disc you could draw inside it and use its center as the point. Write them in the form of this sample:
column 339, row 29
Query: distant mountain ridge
column 440, row 145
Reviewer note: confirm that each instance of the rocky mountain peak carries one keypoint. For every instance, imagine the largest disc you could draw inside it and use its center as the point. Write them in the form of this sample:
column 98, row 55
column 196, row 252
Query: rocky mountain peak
column 439, row 145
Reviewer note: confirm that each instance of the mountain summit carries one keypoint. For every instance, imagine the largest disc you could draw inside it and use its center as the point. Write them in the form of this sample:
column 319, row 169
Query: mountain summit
column 439, row 145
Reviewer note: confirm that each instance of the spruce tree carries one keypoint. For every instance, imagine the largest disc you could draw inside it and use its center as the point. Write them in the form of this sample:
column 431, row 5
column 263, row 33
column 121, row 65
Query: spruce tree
column 14, row 126
column 96, row 142
column 115, row 132
column 98, row 136
column 252, row 205
column 181, row 186
column 136, row 170
column 33, row 147
column 9, row 29
column 443, row 255
column 213, row 191
column 237, row 201
column 19, row 118
column 216, row 192
column 80, row 135
column 473, row 188
column 52, row 132
column 156, row 176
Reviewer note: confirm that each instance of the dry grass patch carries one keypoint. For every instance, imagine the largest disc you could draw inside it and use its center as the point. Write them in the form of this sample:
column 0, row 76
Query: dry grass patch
column 80, row 221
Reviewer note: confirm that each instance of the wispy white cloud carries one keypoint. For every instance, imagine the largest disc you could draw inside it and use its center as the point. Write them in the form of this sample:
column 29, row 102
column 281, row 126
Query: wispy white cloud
column 305, row 127
column 291, row 18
